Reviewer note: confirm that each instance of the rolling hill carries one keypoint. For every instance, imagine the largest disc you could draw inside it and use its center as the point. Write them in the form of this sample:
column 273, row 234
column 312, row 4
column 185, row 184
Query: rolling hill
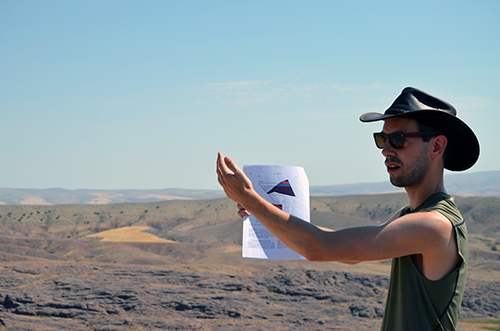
column 199, row 231
column 462, row 184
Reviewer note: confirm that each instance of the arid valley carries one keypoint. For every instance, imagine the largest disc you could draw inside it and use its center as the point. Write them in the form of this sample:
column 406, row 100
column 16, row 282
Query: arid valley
column 177, row 265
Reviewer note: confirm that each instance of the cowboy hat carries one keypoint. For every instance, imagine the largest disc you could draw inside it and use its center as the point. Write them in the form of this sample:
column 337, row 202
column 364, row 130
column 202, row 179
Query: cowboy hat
column 463, row 146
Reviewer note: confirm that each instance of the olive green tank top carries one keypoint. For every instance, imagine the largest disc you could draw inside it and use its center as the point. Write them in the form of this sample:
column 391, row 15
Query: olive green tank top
column 417, row 303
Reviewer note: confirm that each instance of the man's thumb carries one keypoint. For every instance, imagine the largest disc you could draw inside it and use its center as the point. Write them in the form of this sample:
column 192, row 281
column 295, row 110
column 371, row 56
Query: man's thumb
column 232, row 165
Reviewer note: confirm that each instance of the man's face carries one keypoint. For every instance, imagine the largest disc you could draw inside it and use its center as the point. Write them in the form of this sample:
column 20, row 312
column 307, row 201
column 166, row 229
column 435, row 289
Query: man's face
column 406, row 166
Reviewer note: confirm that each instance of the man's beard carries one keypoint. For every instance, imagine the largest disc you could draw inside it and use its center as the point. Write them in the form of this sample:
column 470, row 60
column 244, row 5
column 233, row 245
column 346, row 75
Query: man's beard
column 415, row 172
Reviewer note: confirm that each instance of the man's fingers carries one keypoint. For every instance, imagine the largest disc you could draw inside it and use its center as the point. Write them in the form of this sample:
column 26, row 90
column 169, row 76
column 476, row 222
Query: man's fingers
column 221, row 166
column 242, row 212
column 220, row 180
column 222, row 170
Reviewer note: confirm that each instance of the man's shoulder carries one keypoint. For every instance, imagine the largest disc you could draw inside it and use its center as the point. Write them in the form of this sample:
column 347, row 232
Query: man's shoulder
column 431, row 223
column 434, row 219
column 443, row 207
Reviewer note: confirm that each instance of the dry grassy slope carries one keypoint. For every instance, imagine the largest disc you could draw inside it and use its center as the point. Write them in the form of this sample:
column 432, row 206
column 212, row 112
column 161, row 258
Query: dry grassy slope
column 356, row 210
column 58, row 232
column 204, row 230
column 77, row 221
column 215, row 221
column 482, row 215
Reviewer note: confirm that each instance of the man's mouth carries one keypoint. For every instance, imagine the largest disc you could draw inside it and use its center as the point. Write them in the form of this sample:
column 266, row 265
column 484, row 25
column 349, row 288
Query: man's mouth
column 392, row 165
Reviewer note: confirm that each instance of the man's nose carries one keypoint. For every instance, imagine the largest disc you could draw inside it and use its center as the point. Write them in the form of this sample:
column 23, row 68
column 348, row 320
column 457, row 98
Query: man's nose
column 388, row 150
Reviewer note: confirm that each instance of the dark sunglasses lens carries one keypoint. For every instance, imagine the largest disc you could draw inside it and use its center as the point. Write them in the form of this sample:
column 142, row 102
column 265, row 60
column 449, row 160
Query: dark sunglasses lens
column 380, row 139
column 397, row 140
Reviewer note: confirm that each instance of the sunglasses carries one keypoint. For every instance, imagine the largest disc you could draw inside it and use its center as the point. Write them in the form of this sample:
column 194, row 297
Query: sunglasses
column 397, row 139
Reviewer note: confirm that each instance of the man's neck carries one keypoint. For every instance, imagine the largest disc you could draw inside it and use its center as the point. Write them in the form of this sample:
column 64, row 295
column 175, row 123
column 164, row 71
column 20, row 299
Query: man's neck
column 431, row 185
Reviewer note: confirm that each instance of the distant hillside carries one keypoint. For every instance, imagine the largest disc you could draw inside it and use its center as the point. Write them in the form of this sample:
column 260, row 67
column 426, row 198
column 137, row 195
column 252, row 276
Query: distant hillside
column 486, row 184
column 59, row 196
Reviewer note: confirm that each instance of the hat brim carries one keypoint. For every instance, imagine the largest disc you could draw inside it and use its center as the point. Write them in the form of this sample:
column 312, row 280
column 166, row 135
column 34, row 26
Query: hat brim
column 463, row 146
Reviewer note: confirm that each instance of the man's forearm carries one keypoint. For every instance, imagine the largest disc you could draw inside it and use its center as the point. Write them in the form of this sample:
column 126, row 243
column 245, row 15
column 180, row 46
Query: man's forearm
column 294, row 232
column 350, row 246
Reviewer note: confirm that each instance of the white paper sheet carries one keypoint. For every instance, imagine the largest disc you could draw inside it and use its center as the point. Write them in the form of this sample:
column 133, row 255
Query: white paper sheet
column 287, row 188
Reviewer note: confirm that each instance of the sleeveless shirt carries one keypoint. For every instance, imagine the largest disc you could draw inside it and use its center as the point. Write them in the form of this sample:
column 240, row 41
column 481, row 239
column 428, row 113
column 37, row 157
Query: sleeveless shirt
column 417, row 303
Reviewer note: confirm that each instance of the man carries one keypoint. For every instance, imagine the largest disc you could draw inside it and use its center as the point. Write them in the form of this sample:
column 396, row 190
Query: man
column 427, row 240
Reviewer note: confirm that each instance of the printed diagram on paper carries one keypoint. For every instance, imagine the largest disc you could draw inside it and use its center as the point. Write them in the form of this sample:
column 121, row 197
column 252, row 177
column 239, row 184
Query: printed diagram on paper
column 287, row 188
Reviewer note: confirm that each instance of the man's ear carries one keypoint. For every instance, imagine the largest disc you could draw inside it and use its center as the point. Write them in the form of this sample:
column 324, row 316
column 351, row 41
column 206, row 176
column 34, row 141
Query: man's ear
column 439, row 144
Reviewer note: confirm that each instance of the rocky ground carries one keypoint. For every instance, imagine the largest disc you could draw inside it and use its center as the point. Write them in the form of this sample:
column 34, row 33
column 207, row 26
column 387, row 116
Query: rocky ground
column 36, row 296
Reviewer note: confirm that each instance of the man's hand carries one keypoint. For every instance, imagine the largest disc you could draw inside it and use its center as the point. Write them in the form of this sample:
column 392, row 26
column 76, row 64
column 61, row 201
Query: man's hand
column 235, row 183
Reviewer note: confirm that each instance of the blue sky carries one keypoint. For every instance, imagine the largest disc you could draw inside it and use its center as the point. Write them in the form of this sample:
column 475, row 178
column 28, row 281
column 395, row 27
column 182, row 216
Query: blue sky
column 142, row 95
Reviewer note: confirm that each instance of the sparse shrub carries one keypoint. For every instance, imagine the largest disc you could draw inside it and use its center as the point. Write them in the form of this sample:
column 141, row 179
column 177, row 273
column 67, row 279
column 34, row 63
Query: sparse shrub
column 272, row 289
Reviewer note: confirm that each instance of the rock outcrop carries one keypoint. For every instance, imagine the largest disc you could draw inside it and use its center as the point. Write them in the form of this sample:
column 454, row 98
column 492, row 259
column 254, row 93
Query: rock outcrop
column 125, row 297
